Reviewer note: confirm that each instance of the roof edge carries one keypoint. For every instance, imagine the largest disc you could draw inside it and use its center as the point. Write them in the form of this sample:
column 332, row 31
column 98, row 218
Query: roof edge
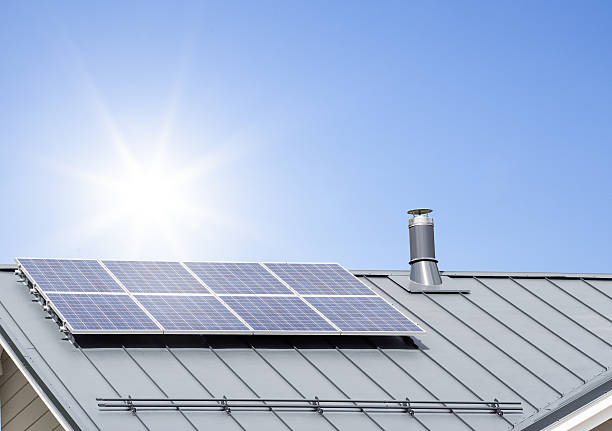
column 458, row 274
column 40, row 388
column 569, row 404
column 490, row 274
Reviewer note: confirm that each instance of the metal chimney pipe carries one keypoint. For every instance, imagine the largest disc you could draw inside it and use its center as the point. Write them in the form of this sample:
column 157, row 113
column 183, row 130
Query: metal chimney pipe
column 423, row 262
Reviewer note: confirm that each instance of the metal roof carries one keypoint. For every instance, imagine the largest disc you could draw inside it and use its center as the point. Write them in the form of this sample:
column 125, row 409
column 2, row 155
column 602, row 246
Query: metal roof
column 542, row 339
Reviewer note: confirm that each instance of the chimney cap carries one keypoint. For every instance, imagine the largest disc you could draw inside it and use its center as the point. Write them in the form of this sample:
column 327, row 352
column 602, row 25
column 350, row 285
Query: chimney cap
column 419, row 211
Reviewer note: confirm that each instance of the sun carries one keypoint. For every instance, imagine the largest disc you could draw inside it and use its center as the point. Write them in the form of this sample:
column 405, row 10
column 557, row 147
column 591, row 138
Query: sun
column 148, row 197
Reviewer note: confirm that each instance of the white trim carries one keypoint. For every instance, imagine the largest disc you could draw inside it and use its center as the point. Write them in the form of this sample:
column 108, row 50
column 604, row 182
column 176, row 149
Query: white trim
column 587, row 417
column 43, row 396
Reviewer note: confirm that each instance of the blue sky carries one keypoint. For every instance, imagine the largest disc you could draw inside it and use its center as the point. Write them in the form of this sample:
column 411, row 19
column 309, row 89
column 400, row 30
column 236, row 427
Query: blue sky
column 303, row 131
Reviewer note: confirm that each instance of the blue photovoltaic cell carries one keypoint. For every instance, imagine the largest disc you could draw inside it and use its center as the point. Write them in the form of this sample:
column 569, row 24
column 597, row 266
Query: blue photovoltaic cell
column 154, row 277
column 191, row 313
column 91, row 312
column 319, row 279
column 231, row 278
column 65, row 275
column 366, row 314
column 277, row 313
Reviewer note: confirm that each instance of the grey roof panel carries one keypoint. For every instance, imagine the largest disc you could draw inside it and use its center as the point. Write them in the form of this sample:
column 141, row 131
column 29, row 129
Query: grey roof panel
column 540, row 341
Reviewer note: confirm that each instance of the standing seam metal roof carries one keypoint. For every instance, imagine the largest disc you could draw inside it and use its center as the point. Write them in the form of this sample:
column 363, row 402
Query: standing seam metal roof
column 543, row 339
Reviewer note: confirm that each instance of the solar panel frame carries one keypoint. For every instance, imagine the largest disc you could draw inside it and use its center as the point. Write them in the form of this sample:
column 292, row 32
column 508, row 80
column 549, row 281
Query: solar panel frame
column 53, row 300
column 148, row 276
column 379, row 315
column 39, row 282
column 347, row 285
column 203, row 307
column 287, row 310
column 240, row 282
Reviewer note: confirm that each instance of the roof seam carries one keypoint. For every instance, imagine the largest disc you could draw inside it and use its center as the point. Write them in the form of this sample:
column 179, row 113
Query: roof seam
column 286, row 380
column 579, row 300
column 541, row 324
column 498, row 348
column 202, row 385
column 393, row 361
column 459, row 349
column 336, row 386
column 571, row 319
column 552, row 358
column 246, row 384
column 109, row 383
column 156, row 385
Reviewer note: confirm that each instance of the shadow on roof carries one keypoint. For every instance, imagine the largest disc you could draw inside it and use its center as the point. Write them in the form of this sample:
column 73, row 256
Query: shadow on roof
column 279, row 342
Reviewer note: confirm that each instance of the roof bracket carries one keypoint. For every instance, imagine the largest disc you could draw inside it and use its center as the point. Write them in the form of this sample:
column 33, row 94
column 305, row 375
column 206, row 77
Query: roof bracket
column 130, row 405
column 226, row 408
column 495, row 405
column 409, row 409
column 317, row 405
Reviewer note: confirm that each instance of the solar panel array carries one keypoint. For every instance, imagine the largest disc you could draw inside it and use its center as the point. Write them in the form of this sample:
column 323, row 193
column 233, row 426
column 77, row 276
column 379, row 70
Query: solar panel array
column 112, row 296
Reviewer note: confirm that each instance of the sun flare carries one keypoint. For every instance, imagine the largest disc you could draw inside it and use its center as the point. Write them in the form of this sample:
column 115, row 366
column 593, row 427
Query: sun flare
column 158, row 203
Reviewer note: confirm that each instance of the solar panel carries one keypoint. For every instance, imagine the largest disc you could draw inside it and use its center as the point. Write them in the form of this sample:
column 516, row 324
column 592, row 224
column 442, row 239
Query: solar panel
column 101, row 312
column 232, row 278
column 191, row 313
column 69, row 275
column 212, row 297
column 363, row 314
column 319, row 279
column 278, row 313
column 154, row 277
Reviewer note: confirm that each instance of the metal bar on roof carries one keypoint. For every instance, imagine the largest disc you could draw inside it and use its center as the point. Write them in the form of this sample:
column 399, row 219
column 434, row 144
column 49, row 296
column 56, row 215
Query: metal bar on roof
column 496, row 346
column 310, row 400
column 317, row 405
column 569, row 343
column 495, row 376
column 552, row 358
